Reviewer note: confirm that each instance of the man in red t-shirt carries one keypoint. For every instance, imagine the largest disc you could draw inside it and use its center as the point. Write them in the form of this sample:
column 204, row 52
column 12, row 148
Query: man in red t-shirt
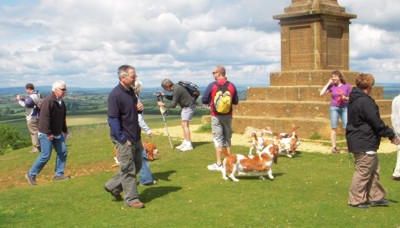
column 221, row 123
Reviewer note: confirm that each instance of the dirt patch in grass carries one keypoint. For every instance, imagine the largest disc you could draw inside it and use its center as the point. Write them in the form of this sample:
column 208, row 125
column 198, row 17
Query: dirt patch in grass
column 17, row 179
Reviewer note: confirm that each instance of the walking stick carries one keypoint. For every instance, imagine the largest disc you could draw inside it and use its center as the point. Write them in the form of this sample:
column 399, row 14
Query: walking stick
column 163, row 114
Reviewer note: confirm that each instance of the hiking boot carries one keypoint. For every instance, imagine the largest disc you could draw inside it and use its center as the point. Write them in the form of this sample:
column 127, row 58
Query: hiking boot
column 186, row 148
column 215, row 166
column 381, row 202
column 34, row 150
column 31, row 180
column 57, row 178
column 137, row 204
column 117, row 196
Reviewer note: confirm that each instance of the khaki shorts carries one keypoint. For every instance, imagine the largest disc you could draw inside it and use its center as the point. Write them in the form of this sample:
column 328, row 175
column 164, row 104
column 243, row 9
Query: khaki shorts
column 187, row 112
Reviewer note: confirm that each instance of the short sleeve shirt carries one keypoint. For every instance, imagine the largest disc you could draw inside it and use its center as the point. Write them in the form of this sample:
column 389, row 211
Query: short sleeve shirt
column 337, row 92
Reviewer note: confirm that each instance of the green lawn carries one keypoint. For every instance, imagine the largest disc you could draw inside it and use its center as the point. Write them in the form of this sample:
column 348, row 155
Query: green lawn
column 309, row 190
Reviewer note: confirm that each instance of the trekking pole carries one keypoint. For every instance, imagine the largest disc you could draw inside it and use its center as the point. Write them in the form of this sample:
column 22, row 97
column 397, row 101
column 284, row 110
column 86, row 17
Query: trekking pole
column 163, row 114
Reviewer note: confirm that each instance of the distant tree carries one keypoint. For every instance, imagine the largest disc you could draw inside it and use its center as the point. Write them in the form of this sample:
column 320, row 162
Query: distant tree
column 6, row 111
column 10, row 139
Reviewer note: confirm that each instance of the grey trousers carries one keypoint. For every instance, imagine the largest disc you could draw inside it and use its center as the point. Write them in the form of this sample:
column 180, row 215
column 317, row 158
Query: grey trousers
column 365, row 185
column 33, row 130
column 130, row 158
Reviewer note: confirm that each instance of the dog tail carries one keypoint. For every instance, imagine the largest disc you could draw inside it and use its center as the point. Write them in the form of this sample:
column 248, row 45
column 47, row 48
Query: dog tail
column 290, row 133
column 254, row 136
column 275, row 151
column 224, row 151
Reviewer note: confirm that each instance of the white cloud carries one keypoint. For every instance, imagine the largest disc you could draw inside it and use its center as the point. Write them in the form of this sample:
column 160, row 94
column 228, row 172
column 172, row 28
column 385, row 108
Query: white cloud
column 368, row 41
column 84, row 42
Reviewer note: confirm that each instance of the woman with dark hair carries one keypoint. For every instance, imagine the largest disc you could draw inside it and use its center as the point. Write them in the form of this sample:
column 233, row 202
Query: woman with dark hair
column 363, row 133
column 339, row 90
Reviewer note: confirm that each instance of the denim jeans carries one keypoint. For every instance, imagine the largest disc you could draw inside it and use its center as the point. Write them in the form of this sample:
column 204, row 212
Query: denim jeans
column 145, row 173
column 46, row 147
column 335, row 113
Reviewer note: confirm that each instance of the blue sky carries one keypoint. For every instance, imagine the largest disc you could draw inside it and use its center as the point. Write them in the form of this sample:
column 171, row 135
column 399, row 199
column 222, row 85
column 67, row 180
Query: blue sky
column 84, row 41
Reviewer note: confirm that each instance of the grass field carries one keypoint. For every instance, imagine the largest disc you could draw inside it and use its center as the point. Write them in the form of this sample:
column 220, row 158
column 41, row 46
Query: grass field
column 309, row 190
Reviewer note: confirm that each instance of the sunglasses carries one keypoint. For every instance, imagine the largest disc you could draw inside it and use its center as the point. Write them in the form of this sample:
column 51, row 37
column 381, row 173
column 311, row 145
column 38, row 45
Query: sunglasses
column 63, row 89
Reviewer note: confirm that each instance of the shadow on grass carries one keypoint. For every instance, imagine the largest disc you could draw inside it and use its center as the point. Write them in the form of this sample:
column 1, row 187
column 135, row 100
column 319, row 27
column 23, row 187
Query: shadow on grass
column 163, row 175
column 199, row 143
column 156, row 192
column 255, row 177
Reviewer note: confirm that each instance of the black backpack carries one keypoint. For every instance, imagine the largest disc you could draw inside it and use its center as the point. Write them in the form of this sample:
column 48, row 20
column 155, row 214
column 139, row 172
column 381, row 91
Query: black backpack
column 192, row 88
column 38, row 105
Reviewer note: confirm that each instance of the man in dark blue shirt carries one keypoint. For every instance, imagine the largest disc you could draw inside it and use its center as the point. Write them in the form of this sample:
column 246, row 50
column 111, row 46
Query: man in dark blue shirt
column 123, row 107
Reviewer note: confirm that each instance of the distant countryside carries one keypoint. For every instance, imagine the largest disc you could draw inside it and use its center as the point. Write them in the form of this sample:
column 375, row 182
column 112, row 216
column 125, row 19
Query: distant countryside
column 92, row 101
column 82, row 101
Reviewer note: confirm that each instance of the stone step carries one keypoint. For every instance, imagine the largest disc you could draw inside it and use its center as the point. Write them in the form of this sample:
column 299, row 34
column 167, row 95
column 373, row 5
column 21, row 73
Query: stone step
column 299, row 93
column 307, row 78
column 308, row 127
column 293, row 109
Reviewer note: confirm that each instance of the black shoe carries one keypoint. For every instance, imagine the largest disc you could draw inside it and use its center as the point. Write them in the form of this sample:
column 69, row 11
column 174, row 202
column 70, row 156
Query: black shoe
column 381, row 202
column 116, row 196
column 395, row 178
column 150, row 183
column 57, row 178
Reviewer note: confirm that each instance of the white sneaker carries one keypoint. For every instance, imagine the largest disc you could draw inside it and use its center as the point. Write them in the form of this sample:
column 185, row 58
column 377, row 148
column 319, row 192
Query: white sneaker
column 180, row 146
column 215, row 167
column 185, row 148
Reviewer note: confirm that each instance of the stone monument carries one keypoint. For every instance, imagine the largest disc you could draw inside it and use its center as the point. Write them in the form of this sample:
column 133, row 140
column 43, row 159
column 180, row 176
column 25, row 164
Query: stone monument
column 314, row 42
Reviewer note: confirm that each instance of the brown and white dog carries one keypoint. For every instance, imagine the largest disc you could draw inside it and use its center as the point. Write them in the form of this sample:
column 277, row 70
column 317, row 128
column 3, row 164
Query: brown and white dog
column 259, row 164
column 287, row 143
column 264, row 132
column 151, row 151
column 259, row 143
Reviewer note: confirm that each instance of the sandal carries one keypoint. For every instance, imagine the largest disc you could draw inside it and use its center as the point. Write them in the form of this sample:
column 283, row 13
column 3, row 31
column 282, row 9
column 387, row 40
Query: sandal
column 335, row 150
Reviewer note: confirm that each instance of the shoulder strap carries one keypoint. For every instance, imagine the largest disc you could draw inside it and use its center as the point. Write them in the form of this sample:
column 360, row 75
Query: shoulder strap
column 223, row 87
